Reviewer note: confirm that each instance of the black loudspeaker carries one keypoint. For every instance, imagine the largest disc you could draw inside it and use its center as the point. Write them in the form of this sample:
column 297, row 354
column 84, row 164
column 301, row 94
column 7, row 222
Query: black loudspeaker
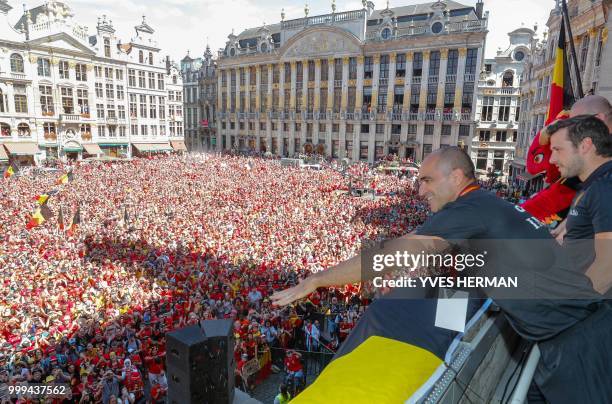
column 220, row 342
column 200, row 364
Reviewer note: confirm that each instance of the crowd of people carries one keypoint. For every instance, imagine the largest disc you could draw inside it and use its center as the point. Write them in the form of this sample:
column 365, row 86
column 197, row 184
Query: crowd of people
column 165, row 242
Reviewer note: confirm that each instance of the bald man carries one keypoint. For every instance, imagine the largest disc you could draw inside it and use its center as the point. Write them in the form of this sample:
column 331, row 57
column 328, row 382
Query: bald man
column 594, row 105
column 465, row 216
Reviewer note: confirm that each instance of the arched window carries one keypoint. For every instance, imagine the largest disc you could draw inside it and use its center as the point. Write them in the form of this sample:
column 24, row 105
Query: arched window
column 23, row 130
column 140, row 57
column 16, row 63
column 508, row 79
column 150, row 58
column 5, row 129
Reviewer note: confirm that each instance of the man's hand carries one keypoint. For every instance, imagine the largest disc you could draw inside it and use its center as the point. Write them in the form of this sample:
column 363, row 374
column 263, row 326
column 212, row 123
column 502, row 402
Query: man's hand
column 559, row 232
column 301, row 290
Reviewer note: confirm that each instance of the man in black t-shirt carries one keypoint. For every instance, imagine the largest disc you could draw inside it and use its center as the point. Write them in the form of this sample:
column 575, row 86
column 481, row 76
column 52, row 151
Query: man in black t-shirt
column 464, row 212
column 582, row 147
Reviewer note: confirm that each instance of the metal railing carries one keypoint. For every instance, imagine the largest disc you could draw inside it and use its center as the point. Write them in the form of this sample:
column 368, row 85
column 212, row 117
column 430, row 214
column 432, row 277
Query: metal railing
column 323, row 19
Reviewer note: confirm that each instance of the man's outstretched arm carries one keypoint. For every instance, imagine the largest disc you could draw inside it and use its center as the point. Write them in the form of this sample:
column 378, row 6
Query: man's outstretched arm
column 349, row 271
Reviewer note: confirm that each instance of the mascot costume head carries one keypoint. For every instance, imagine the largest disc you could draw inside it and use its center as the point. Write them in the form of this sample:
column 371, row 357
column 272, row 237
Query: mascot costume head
column 551, row 203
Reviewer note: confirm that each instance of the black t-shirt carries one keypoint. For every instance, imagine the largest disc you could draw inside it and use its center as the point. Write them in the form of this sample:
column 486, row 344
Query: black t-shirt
column 524, row 248
column 589, row 214
column 591, row 211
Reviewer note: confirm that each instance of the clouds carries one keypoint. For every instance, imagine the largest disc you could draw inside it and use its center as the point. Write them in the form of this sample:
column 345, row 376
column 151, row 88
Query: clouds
column 183, row 25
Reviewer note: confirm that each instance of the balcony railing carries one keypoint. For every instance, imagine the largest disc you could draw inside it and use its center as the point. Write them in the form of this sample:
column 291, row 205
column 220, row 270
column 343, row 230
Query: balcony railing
column 395, row 116
column 322, row 19
column 432, row 80
column 466, row 116
column 451, row 78
column 383, row 81
column 416, row 79
column 430, row 116
column 447, row 116
column 469, row 78
column 413, row 116
column 509, row 90
column 70, row 117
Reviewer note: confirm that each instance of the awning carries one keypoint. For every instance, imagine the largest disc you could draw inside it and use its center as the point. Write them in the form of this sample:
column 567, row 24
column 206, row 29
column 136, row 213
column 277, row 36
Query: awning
column 152, row 147
column 92, row 148
column 3, row 155
column 178, row 145
column 27, row 149
column 103, row 145
column 72, row 149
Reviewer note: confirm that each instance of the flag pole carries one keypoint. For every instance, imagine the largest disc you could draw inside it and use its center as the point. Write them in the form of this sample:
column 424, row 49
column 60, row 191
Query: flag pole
column 568, row 27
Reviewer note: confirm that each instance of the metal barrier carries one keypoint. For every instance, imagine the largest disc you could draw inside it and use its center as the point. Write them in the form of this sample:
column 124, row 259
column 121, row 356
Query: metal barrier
column 312, row 361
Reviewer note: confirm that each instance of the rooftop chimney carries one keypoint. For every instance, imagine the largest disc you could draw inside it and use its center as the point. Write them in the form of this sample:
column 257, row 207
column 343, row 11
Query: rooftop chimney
column 167, row 64
column 479, row 9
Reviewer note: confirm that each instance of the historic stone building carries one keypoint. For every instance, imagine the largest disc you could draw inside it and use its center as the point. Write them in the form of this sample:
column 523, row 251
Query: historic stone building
column 588, row 20
column 359, row 84
column 191, row 71
column 497, row 107
column 208, row 102
column 69, row 93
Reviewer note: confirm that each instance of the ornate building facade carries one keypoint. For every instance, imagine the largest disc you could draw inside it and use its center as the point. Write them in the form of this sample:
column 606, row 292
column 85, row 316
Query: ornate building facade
column 497, row 107
column 69, row 93
column 191, row 71
column 588, row 20
column 200, row 95
column 359, row 84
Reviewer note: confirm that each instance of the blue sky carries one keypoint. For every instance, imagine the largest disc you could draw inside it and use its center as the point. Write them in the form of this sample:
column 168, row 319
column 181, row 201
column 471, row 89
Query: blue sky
column 183, row 25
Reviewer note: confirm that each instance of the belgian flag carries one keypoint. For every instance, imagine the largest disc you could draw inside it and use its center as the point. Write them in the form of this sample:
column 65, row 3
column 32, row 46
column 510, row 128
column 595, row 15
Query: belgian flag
column 10, row 171
column 394, row 350
column 44, row 198
column 76, row 221
column 41, row 199
column 561, row 93
column 41, row 215
column 60, row 219
column 66, row 178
